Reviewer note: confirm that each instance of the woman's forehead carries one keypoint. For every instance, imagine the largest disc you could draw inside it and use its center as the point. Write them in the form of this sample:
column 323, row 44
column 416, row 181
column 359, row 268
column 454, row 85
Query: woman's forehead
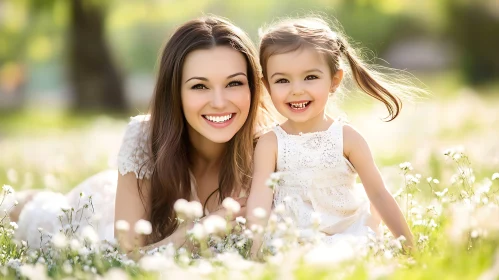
column 213, row 63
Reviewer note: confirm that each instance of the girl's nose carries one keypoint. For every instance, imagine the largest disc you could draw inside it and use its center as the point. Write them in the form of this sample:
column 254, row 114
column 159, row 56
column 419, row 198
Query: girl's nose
column 298, row 89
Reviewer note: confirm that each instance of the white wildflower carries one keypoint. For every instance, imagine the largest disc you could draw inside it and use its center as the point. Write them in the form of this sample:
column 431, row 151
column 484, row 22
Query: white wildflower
column 214, row 224
column 432, row 223
column 181, row 206
column 442, row 193
column 325, row 256
column 456, row 156
column 7, row 189
column 59, row 240
column 405, row 166
column 269, row 183
column 74, row 244
column 195, row 210
column 67, row 268
column 143, row 227
column 122, row 225
column 259, row 213
column 436, row 181
column 276, row 176
column 423, row 238
column 89, row 234
column 116, row 274
column 14, row 225
column 280, row 209
column 388, row 254
column 411, row 179
column 495, row 176
column 198, row 232
column 241, row 220
column 156, row 262
column 231, row 205
column 37, row 271
column 429, row 179
column 277, row 243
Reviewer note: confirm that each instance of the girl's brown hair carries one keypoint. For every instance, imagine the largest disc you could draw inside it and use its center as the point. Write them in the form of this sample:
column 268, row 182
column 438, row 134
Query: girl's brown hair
column 293, row 34
column 170, row 145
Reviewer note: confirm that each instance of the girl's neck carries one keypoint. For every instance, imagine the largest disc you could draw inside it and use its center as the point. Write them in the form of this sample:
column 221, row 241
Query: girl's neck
column 320, row 122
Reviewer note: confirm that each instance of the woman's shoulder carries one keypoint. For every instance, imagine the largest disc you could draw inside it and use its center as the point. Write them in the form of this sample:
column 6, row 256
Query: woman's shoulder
column 134, row 154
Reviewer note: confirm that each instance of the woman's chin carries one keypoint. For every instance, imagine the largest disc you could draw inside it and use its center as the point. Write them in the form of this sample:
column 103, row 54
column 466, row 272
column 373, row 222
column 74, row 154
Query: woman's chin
column 220, row 139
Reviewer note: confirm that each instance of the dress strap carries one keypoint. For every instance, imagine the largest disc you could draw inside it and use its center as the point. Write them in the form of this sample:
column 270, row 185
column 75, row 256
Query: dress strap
column 279, row 132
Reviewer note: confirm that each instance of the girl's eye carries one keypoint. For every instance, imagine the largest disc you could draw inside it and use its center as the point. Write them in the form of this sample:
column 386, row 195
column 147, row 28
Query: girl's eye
column 199, row 86
column 235, row 84
column 311, row 77
column 281, row 81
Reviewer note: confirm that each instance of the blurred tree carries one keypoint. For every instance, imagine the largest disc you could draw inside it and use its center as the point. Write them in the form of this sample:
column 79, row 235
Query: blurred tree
column 96, row 80
column 474, row 26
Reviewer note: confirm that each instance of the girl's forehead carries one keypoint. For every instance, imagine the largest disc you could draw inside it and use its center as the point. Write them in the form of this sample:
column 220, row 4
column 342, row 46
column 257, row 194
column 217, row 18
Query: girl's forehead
column 302, row 58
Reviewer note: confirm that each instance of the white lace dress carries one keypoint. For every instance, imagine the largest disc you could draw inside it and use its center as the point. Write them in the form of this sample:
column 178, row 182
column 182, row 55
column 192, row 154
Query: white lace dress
column 316, row 177
column 45, row 208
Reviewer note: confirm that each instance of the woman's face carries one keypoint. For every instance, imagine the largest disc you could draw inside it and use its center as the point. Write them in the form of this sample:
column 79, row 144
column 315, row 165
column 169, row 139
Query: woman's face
column 215, row 93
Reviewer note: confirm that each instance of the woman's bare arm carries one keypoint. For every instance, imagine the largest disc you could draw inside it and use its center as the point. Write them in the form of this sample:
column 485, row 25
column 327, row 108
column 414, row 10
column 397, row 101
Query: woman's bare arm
column 130, row 208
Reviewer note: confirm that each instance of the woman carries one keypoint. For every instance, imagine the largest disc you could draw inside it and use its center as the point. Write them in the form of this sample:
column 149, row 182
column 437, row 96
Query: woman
column 197, row 143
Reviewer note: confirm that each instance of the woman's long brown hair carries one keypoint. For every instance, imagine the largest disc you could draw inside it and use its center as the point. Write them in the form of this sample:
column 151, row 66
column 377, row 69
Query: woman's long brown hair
column 170, row 145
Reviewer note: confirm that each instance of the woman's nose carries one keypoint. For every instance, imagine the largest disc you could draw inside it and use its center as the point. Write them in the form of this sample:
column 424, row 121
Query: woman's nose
column 218, row 99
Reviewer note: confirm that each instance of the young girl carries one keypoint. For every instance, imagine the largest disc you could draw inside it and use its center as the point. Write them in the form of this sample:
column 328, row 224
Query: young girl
column 318, row 157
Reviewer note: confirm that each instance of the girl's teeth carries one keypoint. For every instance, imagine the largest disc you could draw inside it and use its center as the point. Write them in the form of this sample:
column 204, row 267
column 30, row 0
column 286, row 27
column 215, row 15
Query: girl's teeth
column 219, row 119
column 299, row 105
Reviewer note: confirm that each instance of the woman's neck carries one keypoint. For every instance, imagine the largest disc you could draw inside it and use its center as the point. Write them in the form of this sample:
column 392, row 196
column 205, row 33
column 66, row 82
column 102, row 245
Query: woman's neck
column 206, row 155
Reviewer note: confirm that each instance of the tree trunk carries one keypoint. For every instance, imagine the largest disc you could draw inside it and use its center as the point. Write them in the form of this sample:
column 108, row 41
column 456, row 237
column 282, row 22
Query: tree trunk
column 96, row 82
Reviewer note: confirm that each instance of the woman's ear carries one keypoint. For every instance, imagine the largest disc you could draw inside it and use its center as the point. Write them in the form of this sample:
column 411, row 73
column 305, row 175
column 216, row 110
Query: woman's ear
column 336, row 80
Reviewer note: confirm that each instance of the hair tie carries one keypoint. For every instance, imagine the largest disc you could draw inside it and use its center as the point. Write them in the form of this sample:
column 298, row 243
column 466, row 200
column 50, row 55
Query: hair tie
column 341, row 46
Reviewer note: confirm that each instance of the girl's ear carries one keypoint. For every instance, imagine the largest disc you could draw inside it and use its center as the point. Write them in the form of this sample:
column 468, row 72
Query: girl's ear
column 336, row 81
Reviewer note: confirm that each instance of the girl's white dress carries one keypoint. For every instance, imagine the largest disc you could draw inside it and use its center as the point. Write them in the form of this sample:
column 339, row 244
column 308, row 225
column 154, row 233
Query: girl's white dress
column 44, row 209
column 316, row 177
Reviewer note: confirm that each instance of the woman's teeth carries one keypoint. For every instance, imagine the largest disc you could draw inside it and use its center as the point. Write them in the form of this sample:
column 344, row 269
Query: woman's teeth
column 299, row 105
column 218, row 119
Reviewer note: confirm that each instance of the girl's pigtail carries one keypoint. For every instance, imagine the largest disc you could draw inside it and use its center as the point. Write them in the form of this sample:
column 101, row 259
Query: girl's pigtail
column 371, row 82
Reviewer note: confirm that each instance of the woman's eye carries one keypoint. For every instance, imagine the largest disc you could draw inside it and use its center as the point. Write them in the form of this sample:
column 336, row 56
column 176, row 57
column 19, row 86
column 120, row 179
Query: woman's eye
column 281, row 81
column 311, row 77
column 199, row 86
column 235, row 84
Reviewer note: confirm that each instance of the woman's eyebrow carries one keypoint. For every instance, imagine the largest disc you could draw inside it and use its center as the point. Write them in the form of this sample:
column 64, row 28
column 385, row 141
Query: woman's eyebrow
column 197, row 78
column 205, row 79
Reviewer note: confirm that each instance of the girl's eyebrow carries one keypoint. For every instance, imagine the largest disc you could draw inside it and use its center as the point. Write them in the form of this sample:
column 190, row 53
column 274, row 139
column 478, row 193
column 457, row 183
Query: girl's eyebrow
column 308, row 71
column 205, row 79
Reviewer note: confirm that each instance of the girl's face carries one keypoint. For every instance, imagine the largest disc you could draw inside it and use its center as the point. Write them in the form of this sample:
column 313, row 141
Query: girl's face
column 299, row 84
column 215, row 93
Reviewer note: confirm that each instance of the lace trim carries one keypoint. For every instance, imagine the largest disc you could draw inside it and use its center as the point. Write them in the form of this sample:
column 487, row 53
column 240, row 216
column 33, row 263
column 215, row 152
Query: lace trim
column 134, row 152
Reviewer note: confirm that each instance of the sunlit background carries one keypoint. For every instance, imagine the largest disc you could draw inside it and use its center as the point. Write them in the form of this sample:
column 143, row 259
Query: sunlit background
column 72, row 72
